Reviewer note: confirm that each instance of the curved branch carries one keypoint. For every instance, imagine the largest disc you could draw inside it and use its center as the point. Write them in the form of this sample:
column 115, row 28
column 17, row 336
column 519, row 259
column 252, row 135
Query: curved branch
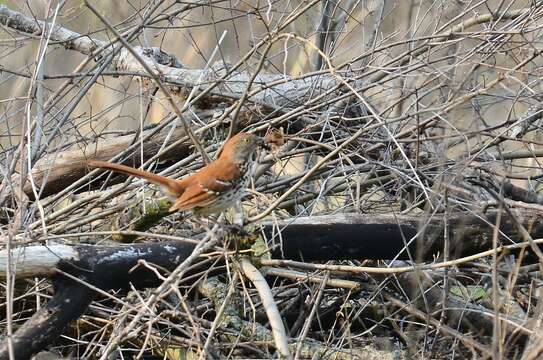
column 276, row 323
column 70, row 300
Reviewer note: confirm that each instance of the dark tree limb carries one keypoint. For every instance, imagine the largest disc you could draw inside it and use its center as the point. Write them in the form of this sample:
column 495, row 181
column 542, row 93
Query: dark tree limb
column 316, row 238
column 383, row 236
column 70, row 301
column 519, row 194
column 345, row 236
column 104, row 267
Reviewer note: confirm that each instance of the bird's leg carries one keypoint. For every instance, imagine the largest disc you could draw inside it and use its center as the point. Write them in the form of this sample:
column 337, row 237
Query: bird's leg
column 238, row 218
column 213, row 221
column 235, row 225
column 210, row 220
column 205, row 224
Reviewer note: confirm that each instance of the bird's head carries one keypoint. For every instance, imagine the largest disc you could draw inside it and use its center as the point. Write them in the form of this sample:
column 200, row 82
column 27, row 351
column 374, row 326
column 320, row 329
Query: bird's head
column 241, row 147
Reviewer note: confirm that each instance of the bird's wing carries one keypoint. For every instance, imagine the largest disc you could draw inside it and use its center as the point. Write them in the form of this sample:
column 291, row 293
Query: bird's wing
column 205, row 186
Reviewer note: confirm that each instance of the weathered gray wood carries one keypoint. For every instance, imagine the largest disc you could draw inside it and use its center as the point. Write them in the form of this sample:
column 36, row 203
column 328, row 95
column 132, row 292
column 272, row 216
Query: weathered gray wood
column 33, row 261
column 286, row 91
column 55, row 171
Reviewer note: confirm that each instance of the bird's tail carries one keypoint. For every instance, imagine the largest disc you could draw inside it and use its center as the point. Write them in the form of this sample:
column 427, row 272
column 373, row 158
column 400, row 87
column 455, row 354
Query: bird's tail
column 170, row 186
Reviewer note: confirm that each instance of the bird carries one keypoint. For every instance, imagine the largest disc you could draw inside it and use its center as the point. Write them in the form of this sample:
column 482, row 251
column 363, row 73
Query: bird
column 213, row 189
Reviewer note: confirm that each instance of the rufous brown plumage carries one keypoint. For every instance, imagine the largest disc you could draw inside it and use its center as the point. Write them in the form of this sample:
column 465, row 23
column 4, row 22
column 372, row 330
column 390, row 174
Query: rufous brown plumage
column 215, row 187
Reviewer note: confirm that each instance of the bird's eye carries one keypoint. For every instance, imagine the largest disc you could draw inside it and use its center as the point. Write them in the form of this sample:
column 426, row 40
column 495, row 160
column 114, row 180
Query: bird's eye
column 246, row 140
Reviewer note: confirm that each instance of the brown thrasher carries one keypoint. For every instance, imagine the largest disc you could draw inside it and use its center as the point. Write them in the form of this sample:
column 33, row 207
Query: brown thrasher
column 215, row 187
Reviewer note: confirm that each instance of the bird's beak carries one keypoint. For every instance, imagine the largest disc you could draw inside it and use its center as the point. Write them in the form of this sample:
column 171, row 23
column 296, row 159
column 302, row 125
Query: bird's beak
column 263, row 144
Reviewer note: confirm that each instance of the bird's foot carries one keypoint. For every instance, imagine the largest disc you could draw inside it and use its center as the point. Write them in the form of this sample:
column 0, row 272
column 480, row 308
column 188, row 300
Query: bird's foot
column 237, row 230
